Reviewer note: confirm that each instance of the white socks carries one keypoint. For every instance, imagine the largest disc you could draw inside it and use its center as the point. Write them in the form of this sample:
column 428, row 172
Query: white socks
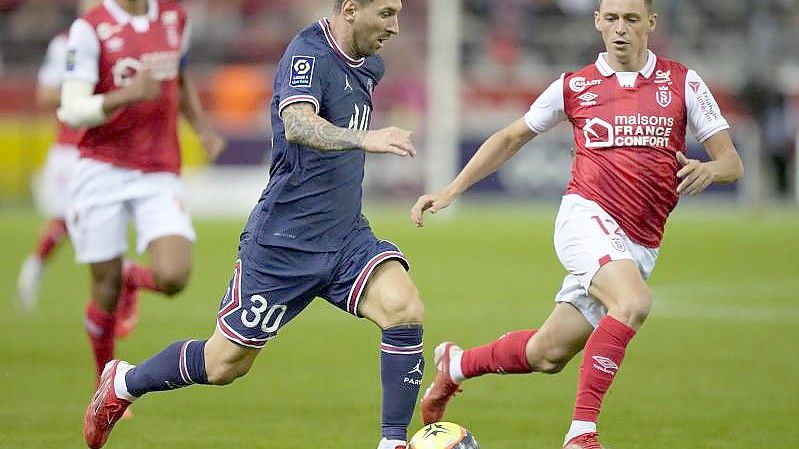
column 390, row 444
column 120, row 389
column 455, row 371
column 578, row 428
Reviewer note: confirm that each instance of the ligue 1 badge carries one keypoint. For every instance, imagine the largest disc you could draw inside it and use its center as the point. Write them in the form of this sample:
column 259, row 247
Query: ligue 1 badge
column 302, row 71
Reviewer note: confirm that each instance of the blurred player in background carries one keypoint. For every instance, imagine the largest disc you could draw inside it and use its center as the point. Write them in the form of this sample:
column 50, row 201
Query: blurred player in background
column 306, row 237
column 629, row 110
column 125, row 83
column 61, row 160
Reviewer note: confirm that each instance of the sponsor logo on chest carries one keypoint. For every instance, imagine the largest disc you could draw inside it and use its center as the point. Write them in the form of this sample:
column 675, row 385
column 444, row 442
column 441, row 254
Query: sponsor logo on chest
column 163, row 66
column 578, row 84
column 637, row 130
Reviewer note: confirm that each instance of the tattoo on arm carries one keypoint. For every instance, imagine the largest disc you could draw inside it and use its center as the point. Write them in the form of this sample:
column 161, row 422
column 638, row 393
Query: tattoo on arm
column 304, row 126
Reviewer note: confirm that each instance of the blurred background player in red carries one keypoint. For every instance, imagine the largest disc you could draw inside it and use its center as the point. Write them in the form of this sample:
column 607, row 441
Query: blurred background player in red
column 61, row 159
column 630, row 111
column 125, row 82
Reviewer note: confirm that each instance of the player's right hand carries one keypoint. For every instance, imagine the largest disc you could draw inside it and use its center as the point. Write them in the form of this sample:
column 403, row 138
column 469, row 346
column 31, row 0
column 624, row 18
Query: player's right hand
column 143, row 87
column 389, row 140
column 433, row 202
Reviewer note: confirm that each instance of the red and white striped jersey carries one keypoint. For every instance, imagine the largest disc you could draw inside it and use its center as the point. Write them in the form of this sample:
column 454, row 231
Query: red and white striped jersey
column 107, row 46
column 628, row 128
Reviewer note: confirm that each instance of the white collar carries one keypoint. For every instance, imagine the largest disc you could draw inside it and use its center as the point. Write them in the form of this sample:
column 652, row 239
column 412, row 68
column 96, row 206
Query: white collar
column 122, row 17
column 606, row 70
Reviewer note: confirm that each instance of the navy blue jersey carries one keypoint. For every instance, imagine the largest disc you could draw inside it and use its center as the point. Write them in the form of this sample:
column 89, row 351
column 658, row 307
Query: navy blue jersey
column 313, row 199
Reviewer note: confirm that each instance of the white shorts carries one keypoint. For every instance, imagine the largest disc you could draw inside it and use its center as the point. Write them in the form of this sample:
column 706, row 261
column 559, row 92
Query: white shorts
column 104, row 197
column 50, row 189
column 586, row 238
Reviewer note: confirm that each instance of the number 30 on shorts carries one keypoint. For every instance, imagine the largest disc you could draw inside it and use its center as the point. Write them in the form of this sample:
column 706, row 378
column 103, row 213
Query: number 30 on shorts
column 255, row 316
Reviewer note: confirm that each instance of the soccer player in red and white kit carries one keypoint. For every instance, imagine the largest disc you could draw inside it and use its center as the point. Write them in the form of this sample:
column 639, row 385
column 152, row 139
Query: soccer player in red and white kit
column 629, row 110
column 125, row 83
column 61, row 159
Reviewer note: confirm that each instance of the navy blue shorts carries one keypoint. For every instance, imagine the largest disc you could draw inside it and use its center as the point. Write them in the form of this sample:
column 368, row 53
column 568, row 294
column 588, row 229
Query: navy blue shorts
column 271, row 285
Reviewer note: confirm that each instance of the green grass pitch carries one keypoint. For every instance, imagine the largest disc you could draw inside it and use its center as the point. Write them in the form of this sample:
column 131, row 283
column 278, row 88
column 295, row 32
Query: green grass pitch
column 716, row 365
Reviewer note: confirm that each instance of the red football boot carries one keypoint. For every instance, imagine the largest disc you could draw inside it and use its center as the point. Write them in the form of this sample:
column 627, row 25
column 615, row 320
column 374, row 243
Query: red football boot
column 104, row 410
column 435, row 399
column 585, row 441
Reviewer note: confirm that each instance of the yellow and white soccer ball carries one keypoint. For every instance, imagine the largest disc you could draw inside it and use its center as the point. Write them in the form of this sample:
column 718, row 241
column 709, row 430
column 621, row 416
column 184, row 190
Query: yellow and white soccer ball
column 443, row 435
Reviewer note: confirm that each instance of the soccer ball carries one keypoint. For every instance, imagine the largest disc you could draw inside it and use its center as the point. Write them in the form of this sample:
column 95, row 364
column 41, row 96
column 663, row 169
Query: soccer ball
column 443, row 435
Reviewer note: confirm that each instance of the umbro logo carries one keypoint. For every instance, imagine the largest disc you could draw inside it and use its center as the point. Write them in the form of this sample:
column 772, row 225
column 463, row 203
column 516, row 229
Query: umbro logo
column 588, row 99
column 605, row 365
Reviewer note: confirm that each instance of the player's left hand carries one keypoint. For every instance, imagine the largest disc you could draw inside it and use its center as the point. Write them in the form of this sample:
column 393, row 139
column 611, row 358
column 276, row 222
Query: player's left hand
column 433, row 202
column 696, row 175
column 213, row 143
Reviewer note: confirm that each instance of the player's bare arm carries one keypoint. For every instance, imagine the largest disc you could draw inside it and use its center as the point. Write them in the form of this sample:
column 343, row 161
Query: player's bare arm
column 305, row 127
column 724, row 167
column 192, row 109
column 492, row 155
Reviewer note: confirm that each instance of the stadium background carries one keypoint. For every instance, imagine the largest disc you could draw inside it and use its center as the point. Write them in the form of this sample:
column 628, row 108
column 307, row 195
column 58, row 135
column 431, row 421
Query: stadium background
column 715, row 367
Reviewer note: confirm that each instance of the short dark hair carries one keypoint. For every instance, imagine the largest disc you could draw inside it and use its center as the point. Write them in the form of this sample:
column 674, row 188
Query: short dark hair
column 337, row 4
column 648, row 4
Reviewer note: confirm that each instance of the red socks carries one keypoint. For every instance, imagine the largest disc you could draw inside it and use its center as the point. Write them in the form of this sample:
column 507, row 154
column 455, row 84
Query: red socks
column 139, row 276
column 602, row 356
column 51, row 236
column 505, row 355
column 100, row 327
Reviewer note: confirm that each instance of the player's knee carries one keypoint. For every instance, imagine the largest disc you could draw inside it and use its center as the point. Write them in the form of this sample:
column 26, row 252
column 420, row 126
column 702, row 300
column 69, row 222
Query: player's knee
column 224, row 373
column 404, row 308
column 173, row 281
column 634, row 310
column 550, row 361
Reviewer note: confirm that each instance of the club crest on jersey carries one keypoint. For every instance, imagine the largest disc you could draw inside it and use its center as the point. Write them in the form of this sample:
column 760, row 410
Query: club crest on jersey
column 302, row 71
column 663, row 96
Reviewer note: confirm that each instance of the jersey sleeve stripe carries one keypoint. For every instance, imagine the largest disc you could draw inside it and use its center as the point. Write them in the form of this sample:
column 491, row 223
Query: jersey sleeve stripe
column 298, row 99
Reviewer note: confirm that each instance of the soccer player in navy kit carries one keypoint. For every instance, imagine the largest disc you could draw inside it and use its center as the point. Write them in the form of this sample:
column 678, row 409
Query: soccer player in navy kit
column 306, row 237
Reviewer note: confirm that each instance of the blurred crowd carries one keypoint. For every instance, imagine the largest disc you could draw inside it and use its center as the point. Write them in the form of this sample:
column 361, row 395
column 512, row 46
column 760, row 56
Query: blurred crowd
column 511, row 50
